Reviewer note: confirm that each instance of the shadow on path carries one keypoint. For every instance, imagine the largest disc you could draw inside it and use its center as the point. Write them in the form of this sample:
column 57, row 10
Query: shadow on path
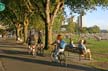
column 11, row 43
column 13, row 51
column 47, row 63
column 7, row 54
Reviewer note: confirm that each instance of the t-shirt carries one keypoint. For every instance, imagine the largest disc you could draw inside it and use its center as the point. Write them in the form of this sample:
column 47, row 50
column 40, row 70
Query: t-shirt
column 62, row 44
column 82, row 48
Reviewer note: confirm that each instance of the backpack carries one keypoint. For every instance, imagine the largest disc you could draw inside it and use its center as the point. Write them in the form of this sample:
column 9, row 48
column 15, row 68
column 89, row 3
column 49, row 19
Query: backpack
column 62, row 44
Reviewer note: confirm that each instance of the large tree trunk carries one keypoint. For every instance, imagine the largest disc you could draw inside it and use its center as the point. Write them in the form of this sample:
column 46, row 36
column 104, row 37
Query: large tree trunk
column 47, row 25
column 18, row 28
column 26, row 23
column 48, row 35
column 50, row 20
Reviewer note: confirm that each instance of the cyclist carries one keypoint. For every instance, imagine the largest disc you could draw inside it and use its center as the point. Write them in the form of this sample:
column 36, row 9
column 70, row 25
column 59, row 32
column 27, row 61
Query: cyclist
column 31, row 42
column 40, row 45
column 58, row 48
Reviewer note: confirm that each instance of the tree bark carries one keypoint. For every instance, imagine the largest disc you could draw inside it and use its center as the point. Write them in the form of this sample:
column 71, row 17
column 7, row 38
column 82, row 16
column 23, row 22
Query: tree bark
column 48, row 35
column 26, row 23
column 50, row 20
column 18, row 27
column 47, row 25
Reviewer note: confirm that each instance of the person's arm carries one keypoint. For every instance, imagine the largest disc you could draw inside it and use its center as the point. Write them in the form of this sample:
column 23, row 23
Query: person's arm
column 84, row 47
column 73, row 45
column 54, row 43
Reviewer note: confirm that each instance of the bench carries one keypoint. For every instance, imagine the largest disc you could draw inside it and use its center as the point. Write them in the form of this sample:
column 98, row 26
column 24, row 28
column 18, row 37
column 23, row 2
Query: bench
column 77, row 50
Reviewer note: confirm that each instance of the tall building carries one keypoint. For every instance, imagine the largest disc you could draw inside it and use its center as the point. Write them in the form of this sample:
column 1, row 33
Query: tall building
column 81, row 21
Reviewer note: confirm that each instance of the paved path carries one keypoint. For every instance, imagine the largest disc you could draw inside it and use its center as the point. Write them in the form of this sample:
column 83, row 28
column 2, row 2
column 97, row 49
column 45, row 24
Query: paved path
column 14, row 57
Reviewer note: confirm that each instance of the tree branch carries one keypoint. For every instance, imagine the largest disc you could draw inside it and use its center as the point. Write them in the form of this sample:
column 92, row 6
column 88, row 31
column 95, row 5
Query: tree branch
column 47, row 11
column 58, row 7
column 28, row 5
column 40, row 12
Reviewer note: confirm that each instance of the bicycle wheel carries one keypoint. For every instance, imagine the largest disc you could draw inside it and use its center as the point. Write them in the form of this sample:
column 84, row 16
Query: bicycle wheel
column 62, row 57
column 52, row 56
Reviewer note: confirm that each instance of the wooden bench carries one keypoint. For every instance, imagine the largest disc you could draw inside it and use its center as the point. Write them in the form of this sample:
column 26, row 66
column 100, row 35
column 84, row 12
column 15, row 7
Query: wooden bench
column 72, row 49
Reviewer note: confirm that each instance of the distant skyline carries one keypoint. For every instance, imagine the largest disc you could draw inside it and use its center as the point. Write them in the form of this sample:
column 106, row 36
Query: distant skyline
column 98, row 17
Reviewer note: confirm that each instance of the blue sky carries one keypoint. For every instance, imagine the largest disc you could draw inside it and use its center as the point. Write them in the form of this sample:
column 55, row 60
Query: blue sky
column 98, row 17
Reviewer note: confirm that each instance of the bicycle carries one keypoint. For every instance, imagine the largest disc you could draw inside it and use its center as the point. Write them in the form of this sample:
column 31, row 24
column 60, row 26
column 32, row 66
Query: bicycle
column 40, row 48
column 34, row 50
column 61, row 56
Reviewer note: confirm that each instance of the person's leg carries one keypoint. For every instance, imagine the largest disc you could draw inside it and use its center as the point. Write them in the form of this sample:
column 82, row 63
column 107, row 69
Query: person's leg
column 33, row 50
column 37, row 48
column 42, row 48
column 89, row 54
column 61, row 50
column 61, row 56
column 29, row 49
column 81, row 54
column 56, row 55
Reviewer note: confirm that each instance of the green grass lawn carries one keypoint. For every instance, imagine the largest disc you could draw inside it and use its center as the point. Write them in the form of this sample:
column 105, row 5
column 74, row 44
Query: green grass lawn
column 99, row 49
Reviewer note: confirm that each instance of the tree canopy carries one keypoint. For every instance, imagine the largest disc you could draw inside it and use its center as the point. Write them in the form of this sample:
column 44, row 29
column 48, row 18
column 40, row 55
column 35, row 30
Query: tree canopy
column 77, row 6
column 46, row 13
